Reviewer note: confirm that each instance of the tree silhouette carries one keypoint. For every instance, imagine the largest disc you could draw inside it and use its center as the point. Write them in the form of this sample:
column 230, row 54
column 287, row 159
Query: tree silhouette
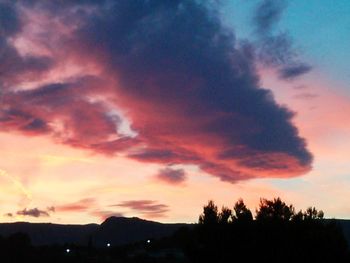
column 298, row 217
column 278, row 234
column 210, row 214
column 313, row 213
column 225, row 215
column 242, row 213
column 274, row 209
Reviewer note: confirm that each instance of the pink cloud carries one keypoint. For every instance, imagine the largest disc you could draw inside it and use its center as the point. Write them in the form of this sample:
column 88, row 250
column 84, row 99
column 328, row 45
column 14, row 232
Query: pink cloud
column 148, row 208
column 81, row 205
column 192, row 95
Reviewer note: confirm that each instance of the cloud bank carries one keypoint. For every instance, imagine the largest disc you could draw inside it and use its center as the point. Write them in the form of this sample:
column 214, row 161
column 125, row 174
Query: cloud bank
column 190, row 92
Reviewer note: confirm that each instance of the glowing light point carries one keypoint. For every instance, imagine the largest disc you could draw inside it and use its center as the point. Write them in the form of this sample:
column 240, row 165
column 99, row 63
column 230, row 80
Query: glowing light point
column 67, row 250
column 148, row 241
column 108, row 244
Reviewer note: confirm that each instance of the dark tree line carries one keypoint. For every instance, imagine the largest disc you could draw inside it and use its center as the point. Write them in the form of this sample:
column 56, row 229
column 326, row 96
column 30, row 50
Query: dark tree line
column 269, row 210
column 277, row 233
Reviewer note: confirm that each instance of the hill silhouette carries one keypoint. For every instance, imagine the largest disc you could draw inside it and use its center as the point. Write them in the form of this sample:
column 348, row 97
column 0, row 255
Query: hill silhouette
column 114, row 230
column 122, row 230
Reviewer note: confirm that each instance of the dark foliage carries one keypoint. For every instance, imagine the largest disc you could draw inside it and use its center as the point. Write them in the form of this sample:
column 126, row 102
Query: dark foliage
column 242, row 213
column 278, row 234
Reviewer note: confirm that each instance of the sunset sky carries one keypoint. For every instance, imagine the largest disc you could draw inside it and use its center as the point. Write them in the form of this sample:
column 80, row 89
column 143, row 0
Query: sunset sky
column 150, row 108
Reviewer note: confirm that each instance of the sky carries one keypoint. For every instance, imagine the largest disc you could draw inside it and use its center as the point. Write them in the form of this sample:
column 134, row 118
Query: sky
column 150, row 108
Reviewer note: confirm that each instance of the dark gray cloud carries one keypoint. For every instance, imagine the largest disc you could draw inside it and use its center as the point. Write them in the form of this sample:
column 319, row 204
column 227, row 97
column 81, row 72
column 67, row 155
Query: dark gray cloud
column 276, row 49
column 36, row 125
column 9, row 22
column 267, row 15
column 171, row 175
column 293, row 71
column 34, row 212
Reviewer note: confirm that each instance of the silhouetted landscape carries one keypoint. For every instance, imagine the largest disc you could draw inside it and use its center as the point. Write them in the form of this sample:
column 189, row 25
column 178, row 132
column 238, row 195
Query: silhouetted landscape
column 114, row 230
column 138, row 119
column 277, row 233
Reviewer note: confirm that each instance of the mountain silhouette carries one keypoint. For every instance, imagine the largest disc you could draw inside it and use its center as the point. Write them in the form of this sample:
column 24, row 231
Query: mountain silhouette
column 114, row 230
column 122, row 230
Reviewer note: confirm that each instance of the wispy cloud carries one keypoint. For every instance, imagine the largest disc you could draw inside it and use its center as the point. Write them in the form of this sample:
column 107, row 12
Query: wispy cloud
column 79, row 206
column 276, row 49
column 306, row 96
column 148, row 208
column 18, row 184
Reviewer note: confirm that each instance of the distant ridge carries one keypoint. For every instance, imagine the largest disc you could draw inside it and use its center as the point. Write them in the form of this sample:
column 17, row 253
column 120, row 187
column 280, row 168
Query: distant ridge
column 121, row 230
column 48, row 234
column 114, row 230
